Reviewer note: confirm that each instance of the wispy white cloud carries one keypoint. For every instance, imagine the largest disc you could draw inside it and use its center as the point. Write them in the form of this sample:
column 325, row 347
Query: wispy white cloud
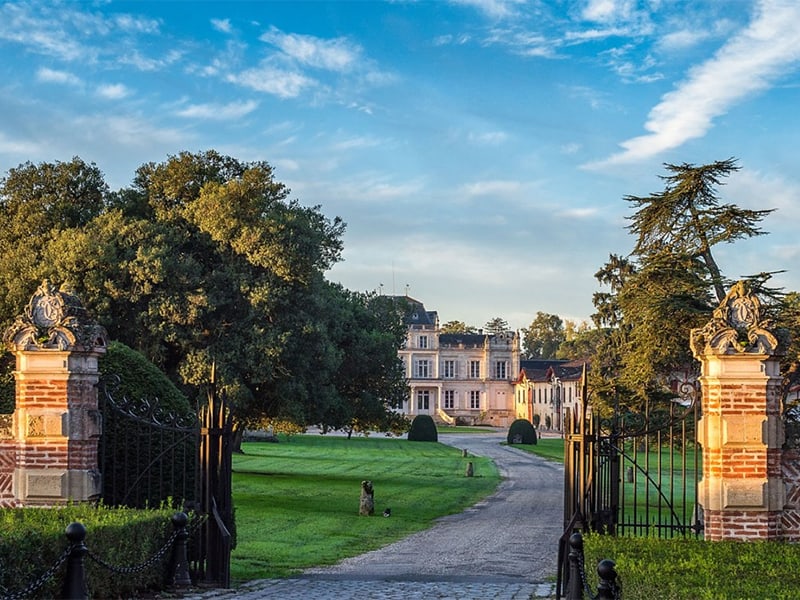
column 18, row 147
column 491, row 188
column 142, row 62
column 495, row 9
column 222, row 25
column 47, row 75
column 60, row 31
column 608, row 11
column 113, row 91
column 218, row 112
column 273, row 80
column 488, row 138
column 41, row 33
column 749, row 63
column 357, row 143
column 338, row 54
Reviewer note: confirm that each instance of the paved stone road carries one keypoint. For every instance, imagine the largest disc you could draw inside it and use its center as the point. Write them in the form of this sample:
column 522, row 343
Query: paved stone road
column 502, row 548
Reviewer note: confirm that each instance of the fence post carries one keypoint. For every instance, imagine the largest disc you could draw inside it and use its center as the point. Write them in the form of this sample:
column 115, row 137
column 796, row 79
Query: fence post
column 608, row 589
column 180, row 563
column 575, row 581
column 75, row 580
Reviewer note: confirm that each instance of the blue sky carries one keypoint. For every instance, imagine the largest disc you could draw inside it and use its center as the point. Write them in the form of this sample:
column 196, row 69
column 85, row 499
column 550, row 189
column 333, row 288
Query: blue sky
column 478, row 150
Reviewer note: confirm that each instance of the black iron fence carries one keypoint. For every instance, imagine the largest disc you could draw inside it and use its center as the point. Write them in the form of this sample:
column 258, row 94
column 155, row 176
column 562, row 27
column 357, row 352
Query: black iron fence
column 172, row 554
column 631, row 473
column 148, row 455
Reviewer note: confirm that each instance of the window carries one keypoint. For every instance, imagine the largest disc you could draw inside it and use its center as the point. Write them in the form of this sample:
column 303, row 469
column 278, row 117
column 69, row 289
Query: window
column 475, row 369
column 475, row 399
column 423, row 400
column 423, row 341
column 449, row 369
column 449, row 399
column 500, row 369
column 423, row 369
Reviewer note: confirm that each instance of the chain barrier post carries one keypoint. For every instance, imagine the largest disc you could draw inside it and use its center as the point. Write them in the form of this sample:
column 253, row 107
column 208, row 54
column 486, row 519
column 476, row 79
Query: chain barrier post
column 75, row 580
column 575, row 581
column 180, row 563
column 609, row 588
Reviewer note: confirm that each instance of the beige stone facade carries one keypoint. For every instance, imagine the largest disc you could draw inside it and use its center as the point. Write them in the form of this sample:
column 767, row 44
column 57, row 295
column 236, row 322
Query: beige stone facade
column 479, row 378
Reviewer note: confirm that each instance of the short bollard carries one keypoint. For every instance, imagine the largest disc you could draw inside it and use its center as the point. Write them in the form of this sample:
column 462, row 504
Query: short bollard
column 180, row 562
column 470, row 470
column 75, row 580
column 608, row 589
column 575, row 581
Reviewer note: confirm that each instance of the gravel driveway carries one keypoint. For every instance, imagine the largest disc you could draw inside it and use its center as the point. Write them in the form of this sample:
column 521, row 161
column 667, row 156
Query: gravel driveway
column 512, row 535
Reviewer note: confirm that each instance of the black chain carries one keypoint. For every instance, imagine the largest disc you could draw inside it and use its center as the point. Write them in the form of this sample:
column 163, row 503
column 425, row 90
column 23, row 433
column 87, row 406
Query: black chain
column 582, row 569
column 45, row 577
column 138, row 568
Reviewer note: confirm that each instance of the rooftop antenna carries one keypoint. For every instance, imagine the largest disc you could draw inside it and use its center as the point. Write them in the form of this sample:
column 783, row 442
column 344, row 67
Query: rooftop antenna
column 393, row 290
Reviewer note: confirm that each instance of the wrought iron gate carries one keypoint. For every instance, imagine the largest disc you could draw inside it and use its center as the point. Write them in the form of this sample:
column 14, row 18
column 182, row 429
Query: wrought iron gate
column 632, row 473
column 183, row 457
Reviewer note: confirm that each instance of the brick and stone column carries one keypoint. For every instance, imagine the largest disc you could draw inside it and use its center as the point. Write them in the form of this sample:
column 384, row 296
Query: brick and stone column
column 742, row 490
column 56, row 423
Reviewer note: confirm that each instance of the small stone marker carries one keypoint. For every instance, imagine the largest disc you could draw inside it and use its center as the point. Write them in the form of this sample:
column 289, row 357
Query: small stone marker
column 464, row 453
column 470, row 470
column 367, row 505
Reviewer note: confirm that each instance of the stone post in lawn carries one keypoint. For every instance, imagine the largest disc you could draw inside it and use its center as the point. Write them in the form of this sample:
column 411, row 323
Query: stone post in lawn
column 56, row 423
column 742, row 490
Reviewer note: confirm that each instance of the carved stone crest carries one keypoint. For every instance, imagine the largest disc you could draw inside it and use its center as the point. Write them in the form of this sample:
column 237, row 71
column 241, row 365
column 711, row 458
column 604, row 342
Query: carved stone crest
column 737, row 327
column 54, row 319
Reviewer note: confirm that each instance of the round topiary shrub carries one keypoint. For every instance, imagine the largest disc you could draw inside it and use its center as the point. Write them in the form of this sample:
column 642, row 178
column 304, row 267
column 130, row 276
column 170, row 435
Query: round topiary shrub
column 423, row 429
column 522, row 432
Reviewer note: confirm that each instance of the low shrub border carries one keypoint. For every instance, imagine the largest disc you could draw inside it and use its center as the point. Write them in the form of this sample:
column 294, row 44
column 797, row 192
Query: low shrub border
column 33, row 539
column 689, row 569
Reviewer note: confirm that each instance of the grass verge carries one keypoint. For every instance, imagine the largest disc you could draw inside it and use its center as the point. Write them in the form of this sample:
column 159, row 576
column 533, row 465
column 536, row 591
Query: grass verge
column 687, row 569
column 297, row 501
column 549, row 448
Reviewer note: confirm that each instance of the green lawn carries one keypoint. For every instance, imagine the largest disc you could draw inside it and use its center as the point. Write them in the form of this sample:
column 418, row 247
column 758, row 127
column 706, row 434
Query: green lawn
column 688, row 569
column 549, row 448
column 296, row 502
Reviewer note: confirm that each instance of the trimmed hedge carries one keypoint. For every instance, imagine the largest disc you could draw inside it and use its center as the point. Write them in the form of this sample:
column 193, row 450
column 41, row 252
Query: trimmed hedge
column 33, row 539
column 423, row 429
column 522, row 431
column 141, row 379
column 143, row 465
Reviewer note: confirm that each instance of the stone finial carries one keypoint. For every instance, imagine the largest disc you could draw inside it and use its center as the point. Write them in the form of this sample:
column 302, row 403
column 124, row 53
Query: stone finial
column 737, row 327
column 54, row 319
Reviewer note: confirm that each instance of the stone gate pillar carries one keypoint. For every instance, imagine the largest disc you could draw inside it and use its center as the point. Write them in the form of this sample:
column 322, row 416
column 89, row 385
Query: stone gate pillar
column 741, row 433
column 56, row 423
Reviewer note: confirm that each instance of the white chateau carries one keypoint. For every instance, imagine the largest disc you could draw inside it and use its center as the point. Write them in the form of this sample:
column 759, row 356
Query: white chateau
column 471, row 379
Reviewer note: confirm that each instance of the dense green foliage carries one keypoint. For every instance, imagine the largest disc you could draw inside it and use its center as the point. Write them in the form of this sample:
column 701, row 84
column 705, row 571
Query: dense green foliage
column 202, row 260
column 457, row 327
column 297, row 502
column 668, row 285
column 678, row 569
column 129, row 374
column 522, row 431
column 543, row 337
column 423, row 429
column 32, row 539
column 495, row 325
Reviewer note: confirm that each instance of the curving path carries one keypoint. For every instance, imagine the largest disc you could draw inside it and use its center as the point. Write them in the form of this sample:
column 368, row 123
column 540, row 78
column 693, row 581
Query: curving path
column 512, row 534
column 502, row 548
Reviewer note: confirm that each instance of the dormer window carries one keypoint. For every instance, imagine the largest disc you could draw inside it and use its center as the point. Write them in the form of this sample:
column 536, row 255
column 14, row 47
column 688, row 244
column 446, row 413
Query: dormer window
column 423, row 341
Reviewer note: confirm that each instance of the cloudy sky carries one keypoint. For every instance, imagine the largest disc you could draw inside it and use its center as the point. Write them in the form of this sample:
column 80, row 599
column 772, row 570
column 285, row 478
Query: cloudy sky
column 478, row 150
